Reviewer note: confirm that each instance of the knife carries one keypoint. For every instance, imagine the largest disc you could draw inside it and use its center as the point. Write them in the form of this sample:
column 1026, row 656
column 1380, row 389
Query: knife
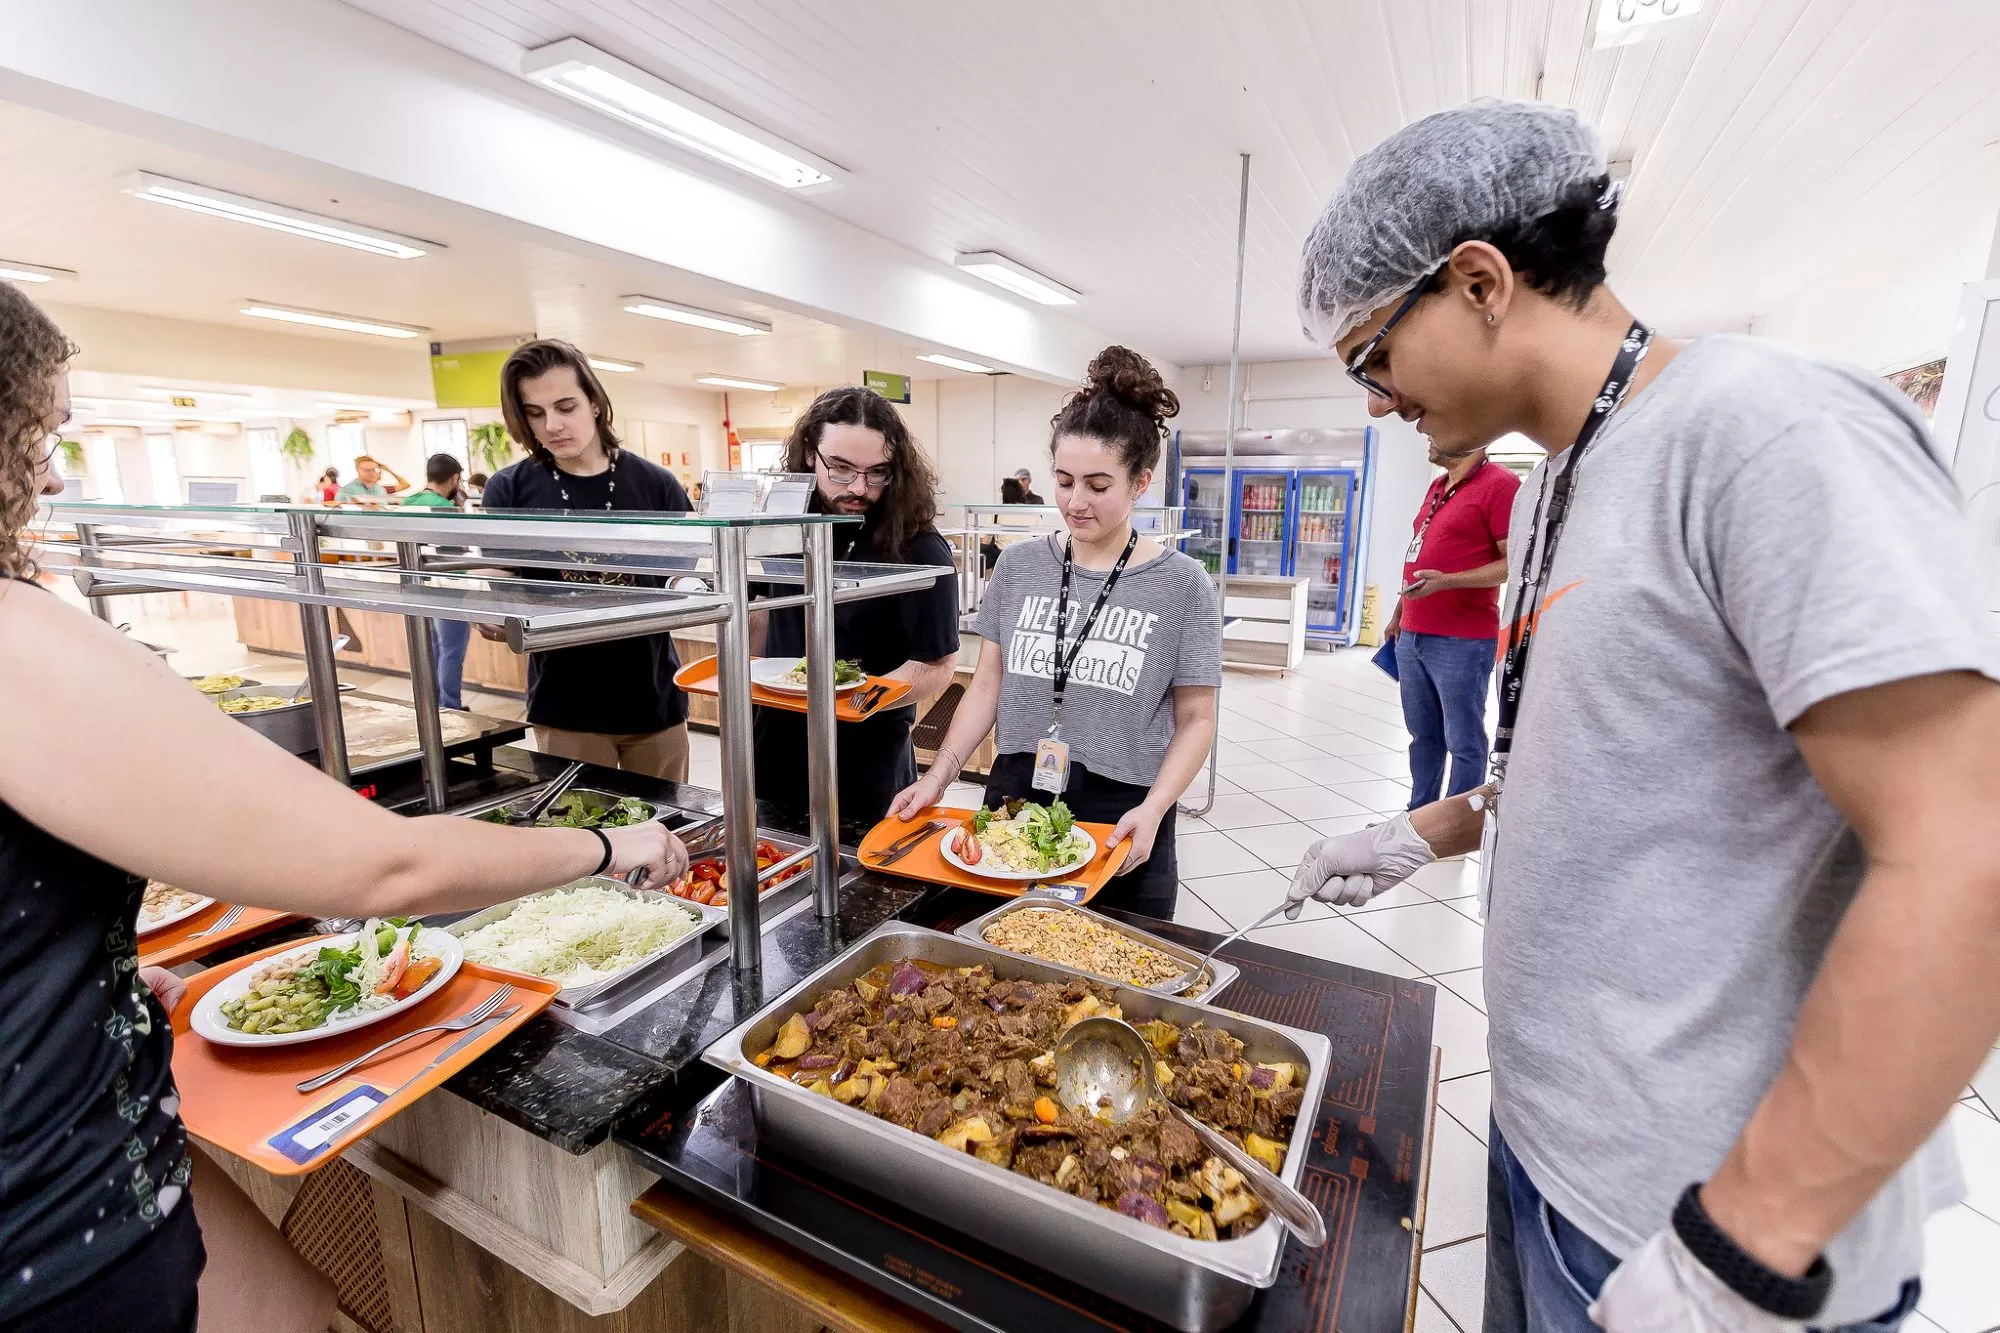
column 471, row 1035
column 864, row 703
column 909, row 842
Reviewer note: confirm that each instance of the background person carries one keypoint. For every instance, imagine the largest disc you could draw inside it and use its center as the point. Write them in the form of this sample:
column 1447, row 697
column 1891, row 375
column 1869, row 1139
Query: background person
column 1141, row 681
column 1447, row 622
column 1026, row 480
column 1743, row 881
column 328, row 485
column 475, row 489
column 449, row 638
column 615, row 703
column 114, row 771
column 864, row 463
column 368, row 485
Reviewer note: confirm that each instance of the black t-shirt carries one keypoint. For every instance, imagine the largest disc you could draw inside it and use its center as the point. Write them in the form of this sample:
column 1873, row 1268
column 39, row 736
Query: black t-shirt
column 93, row 1156
column 624, row 687
column 882, row 633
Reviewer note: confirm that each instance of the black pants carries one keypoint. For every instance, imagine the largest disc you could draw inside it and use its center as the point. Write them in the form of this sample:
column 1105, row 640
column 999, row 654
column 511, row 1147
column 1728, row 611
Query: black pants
column 1153, row 887
column 150, row 1290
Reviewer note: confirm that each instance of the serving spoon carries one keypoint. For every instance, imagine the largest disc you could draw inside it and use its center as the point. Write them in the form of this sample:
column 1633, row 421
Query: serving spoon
column 1104, row 1065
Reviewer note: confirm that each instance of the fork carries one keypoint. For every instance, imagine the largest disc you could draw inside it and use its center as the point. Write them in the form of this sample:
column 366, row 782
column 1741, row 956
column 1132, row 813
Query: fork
column 473, row 1017
column 908, row 843
column 227, row 920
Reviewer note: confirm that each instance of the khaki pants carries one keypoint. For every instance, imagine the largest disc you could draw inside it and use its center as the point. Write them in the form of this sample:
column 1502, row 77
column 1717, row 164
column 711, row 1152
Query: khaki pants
column 659, row 754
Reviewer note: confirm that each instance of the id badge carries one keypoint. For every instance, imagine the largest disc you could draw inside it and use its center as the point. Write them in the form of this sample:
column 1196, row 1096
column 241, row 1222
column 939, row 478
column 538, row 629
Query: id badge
column 1416, row 549
column 1489, row 837
column 1051, row 766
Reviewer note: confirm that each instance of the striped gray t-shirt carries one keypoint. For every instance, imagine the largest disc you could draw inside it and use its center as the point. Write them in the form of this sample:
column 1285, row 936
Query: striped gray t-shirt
column 1161, row 628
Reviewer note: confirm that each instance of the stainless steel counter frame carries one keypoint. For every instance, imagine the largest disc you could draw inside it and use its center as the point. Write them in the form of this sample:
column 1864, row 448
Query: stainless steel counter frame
column 715, row 567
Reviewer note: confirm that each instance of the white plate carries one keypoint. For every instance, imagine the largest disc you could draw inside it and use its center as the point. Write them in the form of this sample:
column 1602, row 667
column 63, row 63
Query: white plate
column 991, row 870
column 770, row 672
column 173, row 918
column 209, row 1022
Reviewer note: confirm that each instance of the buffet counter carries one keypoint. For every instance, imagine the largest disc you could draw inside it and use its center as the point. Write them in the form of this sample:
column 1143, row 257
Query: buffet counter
column 507, row 1201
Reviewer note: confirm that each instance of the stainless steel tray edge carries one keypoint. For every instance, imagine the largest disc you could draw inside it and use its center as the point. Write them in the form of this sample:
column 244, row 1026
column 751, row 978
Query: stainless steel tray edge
column 1197, row 1286
column 1225, row 973
column 579, row 997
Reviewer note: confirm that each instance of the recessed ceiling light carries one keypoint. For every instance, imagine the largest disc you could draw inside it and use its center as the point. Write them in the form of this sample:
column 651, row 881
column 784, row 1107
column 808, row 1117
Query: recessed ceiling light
column 1622, row 22
column 11, row 271
column 325, row 319
column 654, row 308
column 582, row 73
column 732, row 382
column 614, row 364
column 956, row 363
column 274, row 217
column 1019, row 279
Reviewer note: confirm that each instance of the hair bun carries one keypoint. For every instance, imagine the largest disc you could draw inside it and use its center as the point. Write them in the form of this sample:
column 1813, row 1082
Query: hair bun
column 1130, row 378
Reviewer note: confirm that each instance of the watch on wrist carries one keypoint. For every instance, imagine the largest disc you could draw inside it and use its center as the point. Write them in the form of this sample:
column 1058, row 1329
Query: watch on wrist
column 1743, row 1273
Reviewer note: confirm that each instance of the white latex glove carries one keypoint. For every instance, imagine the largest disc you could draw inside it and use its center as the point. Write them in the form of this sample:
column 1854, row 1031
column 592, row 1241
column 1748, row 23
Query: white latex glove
column 1663, row 1288
column 1349, row 869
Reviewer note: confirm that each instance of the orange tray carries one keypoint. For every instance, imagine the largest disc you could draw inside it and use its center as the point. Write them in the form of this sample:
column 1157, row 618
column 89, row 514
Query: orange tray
column 177, row 943
column 248, row 1101
column 927, row 861
column 699, row 678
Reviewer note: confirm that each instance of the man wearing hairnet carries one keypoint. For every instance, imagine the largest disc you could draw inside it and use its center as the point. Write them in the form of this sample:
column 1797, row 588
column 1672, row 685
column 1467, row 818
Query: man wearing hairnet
column 1741, row 862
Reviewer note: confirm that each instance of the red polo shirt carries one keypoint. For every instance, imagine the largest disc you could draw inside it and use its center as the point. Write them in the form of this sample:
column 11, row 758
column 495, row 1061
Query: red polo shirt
column 1465, row 532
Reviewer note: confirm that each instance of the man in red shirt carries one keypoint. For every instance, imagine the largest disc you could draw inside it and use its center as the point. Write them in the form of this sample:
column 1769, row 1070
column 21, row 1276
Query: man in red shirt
column 1446, row 626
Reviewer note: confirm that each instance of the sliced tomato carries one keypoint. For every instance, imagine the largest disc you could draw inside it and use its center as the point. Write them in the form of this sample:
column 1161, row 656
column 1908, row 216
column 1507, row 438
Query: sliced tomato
column 415, row 975
column 704, row 894
column 770, row 850
column 719, row 900
column 968, row 848
column 707, row 870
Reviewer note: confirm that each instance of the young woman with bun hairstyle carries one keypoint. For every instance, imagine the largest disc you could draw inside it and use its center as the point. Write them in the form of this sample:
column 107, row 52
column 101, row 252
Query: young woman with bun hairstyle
column 1141, row 657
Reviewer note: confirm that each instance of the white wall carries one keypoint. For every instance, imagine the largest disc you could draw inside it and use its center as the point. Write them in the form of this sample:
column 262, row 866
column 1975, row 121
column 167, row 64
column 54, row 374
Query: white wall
column 1318, row 394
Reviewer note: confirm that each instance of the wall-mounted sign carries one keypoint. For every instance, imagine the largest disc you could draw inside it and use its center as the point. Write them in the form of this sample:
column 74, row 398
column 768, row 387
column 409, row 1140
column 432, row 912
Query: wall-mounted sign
column 180, row 401
column 467, row 374
column 896, row 388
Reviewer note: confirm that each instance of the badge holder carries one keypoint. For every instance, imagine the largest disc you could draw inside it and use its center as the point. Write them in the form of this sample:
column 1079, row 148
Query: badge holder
column 1052, row 762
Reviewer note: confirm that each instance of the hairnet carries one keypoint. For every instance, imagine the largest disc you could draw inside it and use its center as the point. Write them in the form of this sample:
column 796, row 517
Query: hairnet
column 1450, row 177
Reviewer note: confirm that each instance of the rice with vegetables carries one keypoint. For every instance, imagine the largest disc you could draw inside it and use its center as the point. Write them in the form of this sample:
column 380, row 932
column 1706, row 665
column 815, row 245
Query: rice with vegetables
column 1074, row 940
column 577, row 936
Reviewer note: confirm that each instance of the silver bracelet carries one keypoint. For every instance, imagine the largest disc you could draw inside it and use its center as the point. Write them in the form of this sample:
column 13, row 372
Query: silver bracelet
column 957, row 764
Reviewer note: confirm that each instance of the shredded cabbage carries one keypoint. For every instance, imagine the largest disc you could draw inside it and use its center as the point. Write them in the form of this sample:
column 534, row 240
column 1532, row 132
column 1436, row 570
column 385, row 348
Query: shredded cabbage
column 578, row 936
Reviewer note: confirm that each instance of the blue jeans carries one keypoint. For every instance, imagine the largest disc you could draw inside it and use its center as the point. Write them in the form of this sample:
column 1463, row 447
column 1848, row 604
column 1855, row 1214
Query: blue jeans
column 1444, row 682
column 448, row 641
column 1542, row 1273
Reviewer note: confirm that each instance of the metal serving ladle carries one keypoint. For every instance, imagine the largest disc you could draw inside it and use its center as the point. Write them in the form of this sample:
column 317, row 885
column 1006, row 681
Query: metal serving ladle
column 1105, row 1060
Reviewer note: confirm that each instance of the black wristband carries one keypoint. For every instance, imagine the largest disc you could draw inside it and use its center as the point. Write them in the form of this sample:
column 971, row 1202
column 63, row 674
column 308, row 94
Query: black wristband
column 1762, row 1286
column 605, row 864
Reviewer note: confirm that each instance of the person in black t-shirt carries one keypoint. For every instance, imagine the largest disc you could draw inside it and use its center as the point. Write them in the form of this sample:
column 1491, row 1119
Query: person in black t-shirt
column 613, row 703
column 864, row 463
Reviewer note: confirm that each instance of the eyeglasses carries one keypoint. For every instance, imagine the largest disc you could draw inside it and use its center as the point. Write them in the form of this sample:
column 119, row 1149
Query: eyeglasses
column 1366, row 352
column 54, row 446
column 844, row 474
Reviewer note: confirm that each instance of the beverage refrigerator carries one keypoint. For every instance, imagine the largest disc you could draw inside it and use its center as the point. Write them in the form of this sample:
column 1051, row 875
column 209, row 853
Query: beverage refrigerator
column 1295, row 504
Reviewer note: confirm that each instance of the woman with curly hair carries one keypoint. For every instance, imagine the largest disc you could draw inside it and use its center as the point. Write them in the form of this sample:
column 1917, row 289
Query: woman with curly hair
column 112, row 772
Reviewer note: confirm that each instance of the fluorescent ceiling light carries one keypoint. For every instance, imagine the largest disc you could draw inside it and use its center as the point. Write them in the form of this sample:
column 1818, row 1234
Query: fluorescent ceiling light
column 1622, row 22
column 157, row 391
column 732, row 382
column 273, row 217
column 956, row 363
column 582, row 73
column 327, row 320
column 368, row 409
column 1019, row 279
column 654, row 308
column 10, row 271
column 614, row 364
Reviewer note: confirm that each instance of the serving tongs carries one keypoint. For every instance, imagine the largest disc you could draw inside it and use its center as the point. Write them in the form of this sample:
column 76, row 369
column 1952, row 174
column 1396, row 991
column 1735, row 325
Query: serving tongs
column 526, row 815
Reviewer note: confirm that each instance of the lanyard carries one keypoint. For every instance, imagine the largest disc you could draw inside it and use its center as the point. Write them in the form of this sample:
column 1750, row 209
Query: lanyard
column 1066, row 660
column 1444, row 492
column 1534, row 573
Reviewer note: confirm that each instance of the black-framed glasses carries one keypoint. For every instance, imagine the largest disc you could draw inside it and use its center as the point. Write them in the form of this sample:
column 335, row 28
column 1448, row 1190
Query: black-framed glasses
column 842, row 474
column 1366, row 352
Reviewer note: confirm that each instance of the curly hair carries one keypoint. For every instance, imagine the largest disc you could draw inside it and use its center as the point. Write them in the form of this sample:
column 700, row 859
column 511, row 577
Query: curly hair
column 909, row 504
column 1123, row 402
column 33, row 352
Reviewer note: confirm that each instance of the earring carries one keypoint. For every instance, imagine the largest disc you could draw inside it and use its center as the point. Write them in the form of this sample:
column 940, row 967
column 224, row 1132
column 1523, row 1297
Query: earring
column 1489, row 318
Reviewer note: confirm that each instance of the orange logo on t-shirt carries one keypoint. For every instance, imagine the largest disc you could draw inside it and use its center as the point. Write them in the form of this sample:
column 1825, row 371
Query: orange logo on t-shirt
column 1534, row 618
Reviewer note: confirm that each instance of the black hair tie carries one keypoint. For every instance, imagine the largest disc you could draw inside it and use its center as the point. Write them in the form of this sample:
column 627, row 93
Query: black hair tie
column 605, row 864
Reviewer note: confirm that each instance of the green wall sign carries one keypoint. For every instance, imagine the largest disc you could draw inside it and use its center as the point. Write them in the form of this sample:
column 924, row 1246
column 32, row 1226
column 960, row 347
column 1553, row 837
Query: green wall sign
column 468, row 379
column 896, row 388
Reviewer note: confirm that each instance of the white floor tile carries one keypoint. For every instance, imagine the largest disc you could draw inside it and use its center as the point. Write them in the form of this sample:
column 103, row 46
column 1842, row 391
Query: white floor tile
column 1288, row 750
column 1190, row 910
column 1204, row 854
column 1377, row 794
column 1430, row 935
column 1263, row 777
column 1973, row 1102
column 1987, row 1082
column 1468, row 908
column 1469, row 985
column 1400, row 896
column 1337, row 940
column 1241, row 899
column 1346, row 743
column 1313, row 803
column 1385, row 764
column 1457, row 1207
column 1979, row 1156
column 1446, row 880
column 1469, row 1101
column 1248, row 731
column 1461, row 1034
column 1345, row 824
column 1243, row 810
column 1326, row 770
column 1960, row 1295
column 1278, row 845
column 1431, row 1317
column 1456, row 1279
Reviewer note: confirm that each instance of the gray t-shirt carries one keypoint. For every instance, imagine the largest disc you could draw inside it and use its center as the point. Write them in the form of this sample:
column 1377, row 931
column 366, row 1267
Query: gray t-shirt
column 1161, row 628
column 1755, row 532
